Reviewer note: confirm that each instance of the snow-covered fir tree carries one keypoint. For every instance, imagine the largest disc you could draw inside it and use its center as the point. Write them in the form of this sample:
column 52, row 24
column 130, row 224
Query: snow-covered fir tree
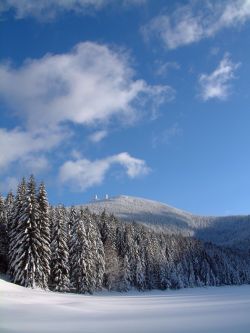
column 72, row 220
column 3, row 238
column 79, row 254
column 126, row 276
column 14, row 222
column 59, row 252
column 96, row 252
column 99, row 257
column 9, row 205
column 44, row 229
column 86, row 253
column 113, row 261
column 2, row 210
column 25, row 262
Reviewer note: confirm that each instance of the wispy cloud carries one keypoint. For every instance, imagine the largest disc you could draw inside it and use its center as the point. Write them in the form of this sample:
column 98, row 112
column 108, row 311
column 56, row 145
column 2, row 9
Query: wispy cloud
column 9, row 184
column 37, row 164
column 98, row 136
column 166, row 136
column 83, row 173
column 134, row 2
column 19, row 145
column 162, row 68
column 195, row 21
column 49, row 9
column 217, row 84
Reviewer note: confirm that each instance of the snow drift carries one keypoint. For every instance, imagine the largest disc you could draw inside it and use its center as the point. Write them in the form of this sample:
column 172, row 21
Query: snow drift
column 207, row 310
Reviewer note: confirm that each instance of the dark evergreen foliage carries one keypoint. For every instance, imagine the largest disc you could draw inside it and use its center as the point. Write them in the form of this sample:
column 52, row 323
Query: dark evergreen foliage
column 14, row 223
column 45, row 236
column 79, row 251
column 73, row 249
column 9, row 204
column 25, row 256
column 3, row 238
column 59, row 252
column 2, row 210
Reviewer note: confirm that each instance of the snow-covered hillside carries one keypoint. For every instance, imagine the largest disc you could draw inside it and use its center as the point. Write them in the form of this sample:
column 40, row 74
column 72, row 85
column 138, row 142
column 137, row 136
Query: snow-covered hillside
column 207, row 310
column 143, row 211
column 228, row 230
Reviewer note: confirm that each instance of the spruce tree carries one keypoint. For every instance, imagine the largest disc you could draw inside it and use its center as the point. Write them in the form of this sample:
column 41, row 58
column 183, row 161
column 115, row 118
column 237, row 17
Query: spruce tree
column 73, row 215
column 2, row 210
column 99, row 260
column 78, row 254
column 126, row 281
column 3, row 238
column 9, row 204
column 95, row 255
column 26, row 251
column 71, row 220
column 14, row 222
column 44, row 229
column 59, row 253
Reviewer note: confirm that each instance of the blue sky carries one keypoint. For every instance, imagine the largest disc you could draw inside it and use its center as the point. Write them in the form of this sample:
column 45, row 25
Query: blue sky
column 137, row 97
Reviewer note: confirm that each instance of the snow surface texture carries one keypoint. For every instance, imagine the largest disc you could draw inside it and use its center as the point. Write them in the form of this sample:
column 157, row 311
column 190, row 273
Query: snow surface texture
column 223, row 230
column 213, row 309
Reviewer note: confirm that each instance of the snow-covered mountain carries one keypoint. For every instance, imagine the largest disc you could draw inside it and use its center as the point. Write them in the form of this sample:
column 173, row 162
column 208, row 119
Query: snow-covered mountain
column 223, row 230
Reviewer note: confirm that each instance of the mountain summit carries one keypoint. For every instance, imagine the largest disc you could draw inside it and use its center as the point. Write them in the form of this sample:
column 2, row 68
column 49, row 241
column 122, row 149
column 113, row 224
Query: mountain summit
column 223, row 230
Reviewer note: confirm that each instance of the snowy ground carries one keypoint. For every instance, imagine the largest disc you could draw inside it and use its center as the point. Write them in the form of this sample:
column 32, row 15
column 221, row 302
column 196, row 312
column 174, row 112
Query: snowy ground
column 216, row 310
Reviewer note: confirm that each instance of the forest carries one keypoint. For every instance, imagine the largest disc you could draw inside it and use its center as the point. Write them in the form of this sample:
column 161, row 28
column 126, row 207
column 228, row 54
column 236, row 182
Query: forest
column 73, row 250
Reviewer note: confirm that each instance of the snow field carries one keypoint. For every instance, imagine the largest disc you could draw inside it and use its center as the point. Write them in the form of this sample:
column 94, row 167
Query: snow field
column 198, row 310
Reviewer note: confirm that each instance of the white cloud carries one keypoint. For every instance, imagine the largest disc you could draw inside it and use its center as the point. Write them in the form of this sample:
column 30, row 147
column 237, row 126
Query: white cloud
column 217, row 84
column 83, row 173
column 164, row 67
column 90, row 84
column 50, row 8
column 19, row 145
column 167, row 135
column 193, row 22
column 35, row 164
column 133, row 2
column 98, row 136
column 9, row 184
column 134, row 166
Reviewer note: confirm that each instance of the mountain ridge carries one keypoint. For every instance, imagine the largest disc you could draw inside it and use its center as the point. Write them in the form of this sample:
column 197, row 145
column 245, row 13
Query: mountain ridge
column 232, row 230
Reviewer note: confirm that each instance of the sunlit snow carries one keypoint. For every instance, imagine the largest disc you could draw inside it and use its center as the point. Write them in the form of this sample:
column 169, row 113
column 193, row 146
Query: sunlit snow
column 213, row 309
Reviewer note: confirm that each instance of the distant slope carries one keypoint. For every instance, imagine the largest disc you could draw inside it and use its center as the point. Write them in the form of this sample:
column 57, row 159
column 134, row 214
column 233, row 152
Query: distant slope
column 144, row 211
column 229, row 230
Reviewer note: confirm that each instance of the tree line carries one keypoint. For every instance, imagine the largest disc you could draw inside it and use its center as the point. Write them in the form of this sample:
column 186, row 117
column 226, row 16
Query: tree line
column 72, row 249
